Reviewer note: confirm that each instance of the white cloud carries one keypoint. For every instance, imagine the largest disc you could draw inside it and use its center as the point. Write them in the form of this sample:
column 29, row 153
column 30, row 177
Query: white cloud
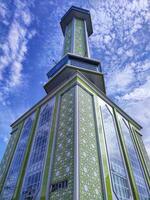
column 26, row 16
column 16, row 74
column 6, row 138
column 119, row 80
column 32, row 33
column 130, row 52
column 142, row 92
column 120, row 21
column 138, row 5
column 139, row 110
column 143, row 66
column 2, row 10
column 14, row 49
column 107, row 38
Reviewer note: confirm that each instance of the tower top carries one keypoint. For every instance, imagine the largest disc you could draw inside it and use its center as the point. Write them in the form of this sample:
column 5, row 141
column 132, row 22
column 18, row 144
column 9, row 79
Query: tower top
column 76, row 25
column 80, row 13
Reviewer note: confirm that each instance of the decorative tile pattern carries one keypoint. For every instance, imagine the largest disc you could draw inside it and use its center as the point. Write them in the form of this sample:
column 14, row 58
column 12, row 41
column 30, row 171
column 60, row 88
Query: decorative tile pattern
column 90, row 182
column 80, row 40
column 68, row 38
column 63, row 156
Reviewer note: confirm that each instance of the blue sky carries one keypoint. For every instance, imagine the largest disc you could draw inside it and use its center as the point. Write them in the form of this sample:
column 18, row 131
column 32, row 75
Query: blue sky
column 31, row 38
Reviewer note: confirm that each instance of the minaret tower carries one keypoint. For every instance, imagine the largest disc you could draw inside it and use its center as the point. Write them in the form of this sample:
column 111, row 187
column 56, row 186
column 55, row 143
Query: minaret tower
column 76, row 26
column 74, row 166
column 75, row 143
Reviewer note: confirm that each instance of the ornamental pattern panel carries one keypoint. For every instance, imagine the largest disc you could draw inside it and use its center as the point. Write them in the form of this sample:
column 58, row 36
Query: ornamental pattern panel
column 63, row 169
column 90, row 182
column 80, row 40
column 68, row 37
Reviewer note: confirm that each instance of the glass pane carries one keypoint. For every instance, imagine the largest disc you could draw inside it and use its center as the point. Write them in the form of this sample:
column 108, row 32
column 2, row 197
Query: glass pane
column 15, row 168
column 33, row 175
column 142, row 146
column 135, row 163
column 4, row 164
column 118, row 173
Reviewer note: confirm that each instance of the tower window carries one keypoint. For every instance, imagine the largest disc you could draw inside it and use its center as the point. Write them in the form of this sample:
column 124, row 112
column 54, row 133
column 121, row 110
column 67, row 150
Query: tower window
column 59, row 186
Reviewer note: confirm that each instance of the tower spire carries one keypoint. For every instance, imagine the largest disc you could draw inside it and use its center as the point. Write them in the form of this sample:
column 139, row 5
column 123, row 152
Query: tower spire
column 76, row 26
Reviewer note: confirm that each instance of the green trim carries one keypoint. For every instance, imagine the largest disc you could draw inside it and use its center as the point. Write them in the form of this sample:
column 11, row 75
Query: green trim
column 144, row 154
column 142, row 149
column 22, row 173
column 82, row 82
column 141, row 156
column 20, row 125
column 101, row 139
column 49, row 154
column 127, row 161
column 98, row 148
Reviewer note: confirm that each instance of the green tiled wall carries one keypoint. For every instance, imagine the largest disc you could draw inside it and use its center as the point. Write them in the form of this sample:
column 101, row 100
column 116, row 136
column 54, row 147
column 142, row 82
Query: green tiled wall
column 63, row 155
column 75, row 38
column 89, row 169
column 80, row 40
column 68, row 38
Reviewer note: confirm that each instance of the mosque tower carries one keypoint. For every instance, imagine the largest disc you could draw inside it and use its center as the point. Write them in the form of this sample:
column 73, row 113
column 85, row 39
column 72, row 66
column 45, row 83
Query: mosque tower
column 75, row 143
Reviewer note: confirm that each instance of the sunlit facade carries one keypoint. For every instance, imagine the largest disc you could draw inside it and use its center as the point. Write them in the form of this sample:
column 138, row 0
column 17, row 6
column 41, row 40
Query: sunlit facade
column 75, row 143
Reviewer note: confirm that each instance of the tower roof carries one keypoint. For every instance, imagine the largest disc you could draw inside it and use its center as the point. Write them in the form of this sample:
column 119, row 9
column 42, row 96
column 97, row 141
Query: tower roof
column 78, row 13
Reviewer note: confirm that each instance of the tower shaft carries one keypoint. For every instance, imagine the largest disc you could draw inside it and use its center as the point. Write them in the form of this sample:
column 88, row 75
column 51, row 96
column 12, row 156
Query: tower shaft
column 76, row 38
